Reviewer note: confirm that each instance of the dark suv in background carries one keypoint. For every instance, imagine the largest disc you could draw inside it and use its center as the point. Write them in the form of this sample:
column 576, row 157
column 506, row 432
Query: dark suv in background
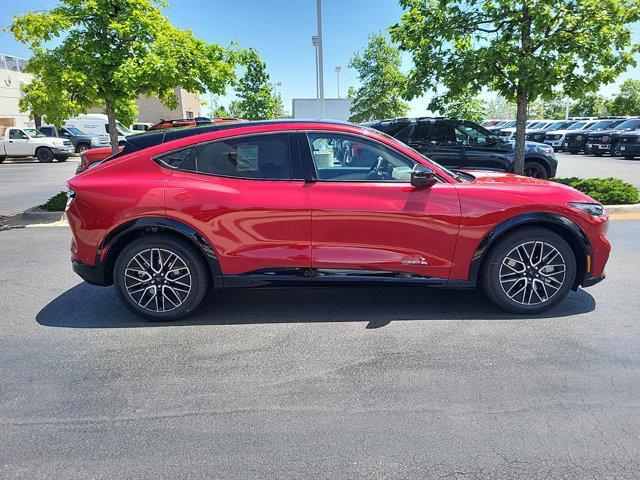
column 606, row 141
column 576, row 141
column 465, row 144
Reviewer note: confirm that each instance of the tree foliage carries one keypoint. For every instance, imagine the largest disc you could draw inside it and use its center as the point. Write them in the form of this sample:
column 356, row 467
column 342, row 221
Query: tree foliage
column 500, row 108
column 522, row 50
column 256, row 97
column 465, row 106
column 110, row 52
column 590, row 105
column 381, row 82
column 627, row 102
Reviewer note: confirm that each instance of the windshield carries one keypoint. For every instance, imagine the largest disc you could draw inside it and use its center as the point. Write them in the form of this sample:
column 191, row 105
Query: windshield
column 33, row 133
column 600, row 125
column 576, row 126
column 122, row 130
column 510, row 124
column 555, row 126
column 629, row 124
column 74, row 131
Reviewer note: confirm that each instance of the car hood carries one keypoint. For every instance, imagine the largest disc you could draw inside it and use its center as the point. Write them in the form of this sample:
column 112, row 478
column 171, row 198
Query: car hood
column 607, row 132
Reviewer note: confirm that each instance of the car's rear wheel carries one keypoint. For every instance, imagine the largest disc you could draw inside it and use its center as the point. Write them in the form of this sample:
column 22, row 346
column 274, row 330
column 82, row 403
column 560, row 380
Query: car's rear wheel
column 2, row 159
column 535, row 170
column 44, row 155
column 160, row 277
column 529, row 270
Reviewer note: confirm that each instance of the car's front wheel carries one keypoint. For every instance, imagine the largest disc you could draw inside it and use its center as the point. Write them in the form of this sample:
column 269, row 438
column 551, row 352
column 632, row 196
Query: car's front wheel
column 535, row 170
column 44, row 155
column 160, row 277
column 529, row 270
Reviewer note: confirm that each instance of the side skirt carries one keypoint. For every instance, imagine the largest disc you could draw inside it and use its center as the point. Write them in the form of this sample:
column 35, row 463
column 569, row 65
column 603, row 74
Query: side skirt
column 291, row 277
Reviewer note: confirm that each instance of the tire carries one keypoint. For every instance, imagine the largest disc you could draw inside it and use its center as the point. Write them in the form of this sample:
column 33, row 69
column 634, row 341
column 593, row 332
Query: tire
column 44, row 155
column 597, row 154
column 179, row 296
column 82, row 147
column 626, row 157
column 61, row 158
column 535, row 170
column 502, row 263
column 2, row 159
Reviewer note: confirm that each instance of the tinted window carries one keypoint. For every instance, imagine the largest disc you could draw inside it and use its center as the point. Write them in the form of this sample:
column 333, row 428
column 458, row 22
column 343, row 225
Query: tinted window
column 467, row 134
column 259, row 157
column 442, row 133
column 346, row 158
column 420, row 132
column 175, row 159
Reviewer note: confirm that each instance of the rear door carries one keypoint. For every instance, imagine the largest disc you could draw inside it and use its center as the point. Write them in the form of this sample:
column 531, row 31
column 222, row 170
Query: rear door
column 247, row 195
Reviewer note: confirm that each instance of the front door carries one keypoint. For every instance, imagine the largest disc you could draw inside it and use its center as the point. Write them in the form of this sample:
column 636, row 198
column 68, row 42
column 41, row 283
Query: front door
column 368, row 220
column 480, row 153
column 246, row 194
column 18, row 143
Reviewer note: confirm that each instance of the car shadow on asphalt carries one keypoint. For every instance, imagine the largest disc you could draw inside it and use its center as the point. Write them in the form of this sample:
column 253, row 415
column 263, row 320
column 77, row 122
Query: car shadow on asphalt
column 86, row 306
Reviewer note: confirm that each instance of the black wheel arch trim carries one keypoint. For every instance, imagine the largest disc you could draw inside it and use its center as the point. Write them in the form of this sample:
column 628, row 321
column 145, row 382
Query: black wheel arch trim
column 578, row 240
column 154, row 225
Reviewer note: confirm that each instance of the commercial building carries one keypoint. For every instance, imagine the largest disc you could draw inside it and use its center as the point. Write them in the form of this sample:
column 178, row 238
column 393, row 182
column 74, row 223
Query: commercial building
column 12, row 79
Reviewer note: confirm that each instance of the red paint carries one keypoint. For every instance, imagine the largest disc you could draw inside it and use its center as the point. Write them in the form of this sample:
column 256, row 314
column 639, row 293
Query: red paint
column 256, row 224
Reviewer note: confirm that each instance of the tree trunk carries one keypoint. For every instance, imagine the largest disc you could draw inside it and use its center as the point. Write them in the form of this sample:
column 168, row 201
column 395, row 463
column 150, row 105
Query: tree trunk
column 37, row 120
column 113, row 132
column 521, row 125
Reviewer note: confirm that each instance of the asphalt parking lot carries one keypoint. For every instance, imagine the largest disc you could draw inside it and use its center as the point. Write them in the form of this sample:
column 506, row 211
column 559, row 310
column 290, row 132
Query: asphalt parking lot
column 324, row 383
column 27, row 183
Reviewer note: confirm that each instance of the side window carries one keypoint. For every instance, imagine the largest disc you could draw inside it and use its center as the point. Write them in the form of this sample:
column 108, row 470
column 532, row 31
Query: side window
column 466, row 134
column 420, row 133
column 346, row 158
column 441, row 134
column 17, row 135
column 175, row 159
column 265, row 157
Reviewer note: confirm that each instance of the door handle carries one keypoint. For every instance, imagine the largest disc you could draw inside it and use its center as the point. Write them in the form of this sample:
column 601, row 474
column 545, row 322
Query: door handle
column 10, row 141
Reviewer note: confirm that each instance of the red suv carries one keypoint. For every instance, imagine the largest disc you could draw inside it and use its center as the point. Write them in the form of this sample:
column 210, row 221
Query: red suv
column 305, row 203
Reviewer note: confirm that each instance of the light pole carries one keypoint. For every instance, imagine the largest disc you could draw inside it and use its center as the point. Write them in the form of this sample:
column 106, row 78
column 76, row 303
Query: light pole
column 338, row 70
column 314, row 42
column 320, row 62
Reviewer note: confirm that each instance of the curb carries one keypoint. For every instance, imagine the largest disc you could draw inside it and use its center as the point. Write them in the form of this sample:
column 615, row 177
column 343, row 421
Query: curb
column 33, row 214
column 635, row 207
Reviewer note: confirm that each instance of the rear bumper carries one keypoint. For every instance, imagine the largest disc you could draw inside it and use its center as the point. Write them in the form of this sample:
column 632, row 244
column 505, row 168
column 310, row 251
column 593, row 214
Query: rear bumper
column 89, row 273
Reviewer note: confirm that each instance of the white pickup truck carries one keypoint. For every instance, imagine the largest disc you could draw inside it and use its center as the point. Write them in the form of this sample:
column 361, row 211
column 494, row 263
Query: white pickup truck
column 28, row 142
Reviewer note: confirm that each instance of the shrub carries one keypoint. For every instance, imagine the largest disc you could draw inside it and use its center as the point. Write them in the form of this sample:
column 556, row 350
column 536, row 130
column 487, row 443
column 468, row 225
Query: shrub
column 608, row 191
column 57, row 203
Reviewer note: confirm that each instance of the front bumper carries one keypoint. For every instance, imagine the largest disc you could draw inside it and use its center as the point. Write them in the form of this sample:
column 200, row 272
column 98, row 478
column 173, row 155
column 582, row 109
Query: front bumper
column 591, row 281
column 89, row 273
column 592, row 147
column 554, row 143
column 573, row 146
column 63, row 150
column 628, row 149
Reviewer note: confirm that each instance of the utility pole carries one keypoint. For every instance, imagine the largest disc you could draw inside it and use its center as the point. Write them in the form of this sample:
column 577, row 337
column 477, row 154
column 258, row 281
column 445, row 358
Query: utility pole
column 338, row 70
column 314, row 42
column 320, row 61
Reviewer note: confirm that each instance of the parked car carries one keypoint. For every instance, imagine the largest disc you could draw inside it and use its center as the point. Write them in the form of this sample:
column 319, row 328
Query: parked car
column 576, row 140
column 509, row 133
column 555, row 138
column 97, row 124
column 310, row 203
column 537, row 134
column 464, row 144
column 628, row 144
column 81, row 141
column 140, row 127
column 29, row 142
column 181, row 122
column 91, row 157
column 500, row 125
column 606, row 141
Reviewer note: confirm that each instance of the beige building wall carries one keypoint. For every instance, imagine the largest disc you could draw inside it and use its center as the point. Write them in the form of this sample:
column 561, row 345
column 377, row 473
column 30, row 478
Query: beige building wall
column 151, row 110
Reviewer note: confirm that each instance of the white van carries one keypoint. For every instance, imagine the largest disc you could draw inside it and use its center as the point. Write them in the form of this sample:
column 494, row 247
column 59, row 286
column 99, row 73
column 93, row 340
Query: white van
column 97, row 124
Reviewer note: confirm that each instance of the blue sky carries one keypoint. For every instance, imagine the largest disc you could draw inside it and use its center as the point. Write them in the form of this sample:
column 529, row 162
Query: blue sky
column 281, row 31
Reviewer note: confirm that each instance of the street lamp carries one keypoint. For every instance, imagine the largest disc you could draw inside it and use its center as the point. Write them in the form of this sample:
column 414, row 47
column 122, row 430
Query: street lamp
column 338, row 70
column 315, row 41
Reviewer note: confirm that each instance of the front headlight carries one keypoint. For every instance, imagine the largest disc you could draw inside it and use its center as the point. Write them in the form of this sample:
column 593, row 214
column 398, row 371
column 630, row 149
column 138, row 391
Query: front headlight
column 71, row 195
column 546, row 149
column 95, row 141
column 593, row 209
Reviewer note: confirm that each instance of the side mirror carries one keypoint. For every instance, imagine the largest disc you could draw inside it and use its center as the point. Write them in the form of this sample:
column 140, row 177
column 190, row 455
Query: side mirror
column 423, row 177
column 493, row 140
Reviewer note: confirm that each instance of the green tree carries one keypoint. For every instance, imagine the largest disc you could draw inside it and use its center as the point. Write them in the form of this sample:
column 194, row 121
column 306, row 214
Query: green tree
column 500, row 108
column 627, row 102
column 110, row 52
column 589, row 105
column 220, row 112
column 381, row 82
column 549, row 108
column 522, row 50
column 465, row 106
column 256, row 97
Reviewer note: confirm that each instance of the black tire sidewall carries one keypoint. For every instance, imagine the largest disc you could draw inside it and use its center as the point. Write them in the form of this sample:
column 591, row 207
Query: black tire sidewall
column 539, row 166
column 83, row 147
column 200, row 276
column 44, row 155
column 491, row 268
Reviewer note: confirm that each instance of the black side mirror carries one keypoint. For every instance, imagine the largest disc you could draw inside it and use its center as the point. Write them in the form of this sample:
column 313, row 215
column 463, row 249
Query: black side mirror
column 423, row 177
column 493, row 140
